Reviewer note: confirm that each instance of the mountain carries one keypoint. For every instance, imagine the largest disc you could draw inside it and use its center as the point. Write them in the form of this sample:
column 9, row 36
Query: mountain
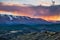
column 10, row 19
column 57, row 22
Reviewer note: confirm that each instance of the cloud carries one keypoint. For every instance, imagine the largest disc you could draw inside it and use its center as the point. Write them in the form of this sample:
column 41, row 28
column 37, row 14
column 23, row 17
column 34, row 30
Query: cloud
column 31, row 10
column 7, row 8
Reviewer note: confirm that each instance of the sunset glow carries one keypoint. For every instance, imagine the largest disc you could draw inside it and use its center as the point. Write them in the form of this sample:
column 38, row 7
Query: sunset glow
column 8, row 13
column 48, row 18
column 51, row 18
column 26, row 8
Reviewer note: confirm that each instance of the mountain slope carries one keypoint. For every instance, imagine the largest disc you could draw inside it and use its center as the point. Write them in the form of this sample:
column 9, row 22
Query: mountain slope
column 10, row 19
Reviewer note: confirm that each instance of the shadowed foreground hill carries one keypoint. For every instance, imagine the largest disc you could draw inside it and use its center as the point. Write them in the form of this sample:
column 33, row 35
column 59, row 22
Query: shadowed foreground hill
column 36, row 36
column 40, row 36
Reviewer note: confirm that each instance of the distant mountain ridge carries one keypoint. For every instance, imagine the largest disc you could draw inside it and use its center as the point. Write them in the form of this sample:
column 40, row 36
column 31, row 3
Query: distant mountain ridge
column 10, row 19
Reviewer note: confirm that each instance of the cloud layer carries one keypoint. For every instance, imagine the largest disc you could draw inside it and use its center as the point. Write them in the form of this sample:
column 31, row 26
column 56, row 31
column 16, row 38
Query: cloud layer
column 32, row 11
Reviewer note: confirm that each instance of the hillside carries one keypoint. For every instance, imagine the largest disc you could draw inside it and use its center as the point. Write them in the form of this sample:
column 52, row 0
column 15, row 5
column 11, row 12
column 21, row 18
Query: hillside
column 47, row 35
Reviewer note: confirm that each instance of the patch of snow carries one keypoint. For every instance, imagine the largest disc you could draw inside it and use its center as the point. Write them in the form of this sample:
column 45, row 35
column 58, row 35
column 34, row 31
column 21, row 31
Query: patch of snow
column 10, row 17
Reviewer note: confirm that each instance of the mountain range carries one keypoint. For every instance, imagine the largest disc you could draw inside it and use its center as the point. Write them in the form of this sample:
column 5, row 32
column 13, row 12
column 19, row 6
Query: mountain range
column 11, row 19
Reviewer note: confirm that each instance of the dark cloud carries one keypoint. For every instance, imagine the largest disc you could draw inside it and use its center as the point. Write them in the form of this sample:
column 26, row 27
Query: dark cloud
column 54, row 10
column 9, row 8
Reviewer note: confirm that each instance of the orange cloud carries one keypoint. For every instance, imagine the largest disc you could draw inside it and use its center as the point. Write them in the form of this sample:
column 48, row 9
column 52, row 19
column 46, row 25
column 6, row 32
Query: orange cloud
column 12, row 4
column 51, row 18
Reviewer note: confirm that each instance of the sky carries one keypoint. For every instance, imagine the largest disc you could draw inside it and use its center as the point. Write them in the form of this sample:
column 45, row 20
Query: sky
column 32, row 2
column 25, row 8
